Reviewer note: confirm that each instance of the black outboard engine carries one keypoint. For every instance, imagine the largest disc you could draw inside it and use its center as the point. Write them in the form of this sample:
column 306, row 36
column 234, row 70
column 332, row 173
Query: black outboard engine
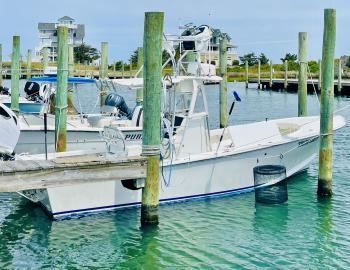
column 118, row 101
column 32, row 90
column 4, row 91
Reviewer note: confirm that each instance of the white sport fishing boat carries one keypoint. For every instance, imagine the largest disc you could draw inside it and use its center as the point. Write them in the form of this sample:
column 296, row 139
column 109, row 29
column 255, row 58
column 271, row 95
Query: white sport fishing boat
column 9, row 132
column 196, row 162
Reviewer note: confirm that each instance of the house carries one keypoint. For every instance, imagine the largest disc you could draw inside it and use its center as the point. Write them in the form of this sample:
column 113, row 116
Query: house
column 48, row 36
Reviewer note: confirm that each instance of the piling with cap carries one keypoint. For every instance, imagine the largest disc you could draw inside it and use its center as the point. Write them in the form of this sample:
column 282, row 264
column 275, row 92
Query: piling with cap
column 103, row 70
column 339, row 76
column 285, row 74
column 152, row 51
column 45, row 59
column 302, row 81
column 327, row 96
column 223, row 83
column 29, row 64
column 271, row 74
column 61, row 91
column 123, row 70
column 0, row 64
column 139, row 91
column 15, row 73
column 246, row 74
column 259, row 74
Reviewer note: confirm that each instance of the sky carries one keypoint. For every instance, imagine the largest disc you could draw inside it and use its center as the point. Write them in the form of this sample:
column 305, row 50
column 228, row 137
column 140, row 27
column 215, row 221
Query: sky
column 270, row 26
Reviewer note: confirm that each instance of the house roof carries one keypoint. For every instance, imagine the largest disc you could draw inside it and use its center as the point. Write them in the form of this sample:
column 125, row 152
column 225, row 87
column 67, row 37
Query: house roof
column 46, row 26
column 66, row 18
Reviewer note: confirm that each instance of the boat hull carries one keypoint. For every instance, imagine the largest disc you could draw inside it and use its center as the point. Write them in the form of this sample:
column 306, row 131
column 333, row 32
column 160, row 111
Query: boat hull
column 210, row 177
column 32, row 141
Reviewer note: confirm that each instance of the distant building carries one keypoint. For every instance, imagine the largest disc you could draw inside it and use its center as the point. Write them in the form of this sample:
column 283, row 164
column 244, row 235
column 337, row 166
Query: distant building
column 48, row 36
column 213, row 56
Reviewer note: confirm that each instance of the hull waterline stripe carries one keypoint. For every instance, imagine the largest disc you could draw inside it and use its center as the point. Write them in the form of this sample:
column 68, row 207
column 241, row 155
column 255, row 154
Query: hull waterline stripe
column 205, row 195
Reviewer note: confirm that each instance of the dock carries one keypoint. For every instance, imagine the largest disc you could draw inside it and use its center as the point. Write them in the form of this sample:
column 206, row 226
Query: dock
column 278, row 84
column 68, row 170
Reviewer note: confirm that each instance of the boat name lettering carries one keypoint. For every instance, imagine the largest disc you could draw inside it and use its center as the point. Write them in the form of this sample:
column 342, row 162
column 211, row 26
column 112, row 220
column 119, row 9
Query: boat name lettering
column 133, row 136
column 307, row 141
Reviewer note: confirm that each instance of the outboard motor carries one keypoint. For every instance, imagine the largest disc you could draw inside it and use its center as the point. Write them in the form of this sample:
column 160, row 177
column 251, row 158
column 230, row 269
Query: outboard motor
column 118, row 101
column 4, row 90
column 32, row 90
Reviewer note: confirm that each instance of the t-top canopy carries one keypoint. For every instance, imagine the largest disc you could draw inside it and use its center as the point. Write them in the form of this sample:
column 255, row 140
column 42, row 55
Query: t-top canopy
column 51, row 79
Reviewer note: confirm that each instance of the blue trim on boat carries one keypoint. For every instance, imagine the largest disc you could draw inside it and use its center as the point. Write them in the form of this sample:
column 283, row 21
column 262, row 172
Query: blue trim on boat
column 184, row 198
column 54, row 79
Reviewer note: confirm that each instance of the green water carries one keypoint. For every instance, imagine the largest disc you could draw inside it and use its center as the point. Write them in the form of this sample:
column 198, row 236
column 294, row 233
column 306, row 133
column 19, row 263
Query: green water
column 224, row 233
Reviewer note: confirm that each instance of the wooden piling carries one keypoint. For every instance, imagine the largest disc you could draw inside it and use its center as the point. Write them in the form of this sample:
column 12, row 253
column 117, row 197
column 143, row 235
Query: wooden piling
column 302, row 81
column 71, row 60
column 15, row 73
column 123, row 70
column 246, row 74
column 339, row 76
column 62, row 89
column 285, row 74
column 319, row 74
column 152, row 51
column 29, row 64
column 223, row 83
column 45, row 59
column 259, row 74
column 1, row 76
column 130, row 69
column 271, row 74
column 139, row 91
column 103, row 70
column 327, row 96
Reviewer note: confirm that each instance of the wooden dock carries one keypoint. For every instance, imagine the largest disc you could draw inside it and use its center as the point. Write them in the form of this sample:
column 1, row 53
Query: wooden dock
column 278, row 84
column 68, row 170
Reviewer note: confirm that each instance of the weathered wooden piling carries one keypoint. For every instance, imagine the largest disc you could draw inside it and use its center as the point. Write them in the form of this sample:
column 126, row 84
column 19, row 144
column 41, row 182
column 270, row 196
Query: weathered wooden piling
column 285, row 74
column 302, row 81
column 152, row 51
column 246, row 74
column 15, row 73
column 123, row 68
column 223, row 83
column 139, row 91
column 103, row 70
column 1, row 65
column 339, row 76
column 319, row 74
column 62, row 89
column 271, row 74
column 45, row 59
column 29, row 64
column 71, row 60
column 259, row 74
column 327, row 96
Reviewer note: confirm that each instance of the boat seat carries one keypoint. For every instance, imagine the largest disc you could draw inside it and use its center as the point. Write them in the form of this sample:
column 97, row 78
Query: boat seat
column 137, row 117
column 106, row 109
column 255, row 133
column 100, row 121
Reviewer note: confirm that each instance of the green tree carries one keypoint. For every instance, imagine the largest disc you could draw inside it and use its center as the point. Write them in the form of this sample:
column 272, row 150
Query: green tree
column 290, row 57
column 251, row 58
column 84, row 53
column 263, row 59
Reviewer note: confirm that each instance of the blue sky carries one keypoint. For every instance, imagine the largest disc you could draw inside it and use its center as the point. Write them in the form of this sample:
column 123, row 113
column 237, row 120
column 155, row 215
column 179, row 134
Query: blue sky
column 269, row 26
